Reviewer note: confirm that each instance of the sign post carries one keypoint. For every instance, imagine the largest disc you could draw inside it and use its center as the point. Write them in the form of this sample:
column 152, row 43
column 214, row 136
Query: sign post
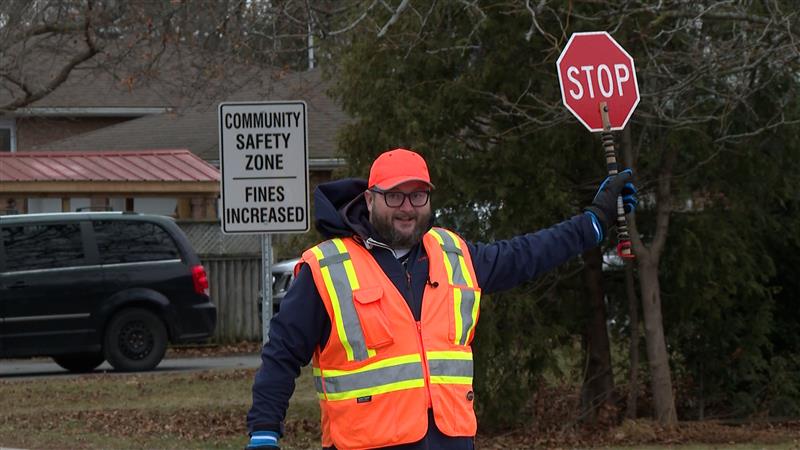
column 598, row 85
column 263, row 154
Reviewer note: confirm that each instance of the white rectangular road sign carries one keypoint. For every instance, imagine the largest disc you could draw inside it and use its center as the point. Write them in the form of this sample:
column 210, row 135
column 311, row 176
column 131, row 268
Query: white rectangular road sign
column 263, row 154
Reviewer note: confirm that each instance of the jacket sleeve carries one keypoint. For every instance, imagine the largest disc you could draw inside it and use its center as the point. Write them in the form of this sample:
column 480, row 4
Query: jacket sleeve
column 294, row 334
column 505, row 264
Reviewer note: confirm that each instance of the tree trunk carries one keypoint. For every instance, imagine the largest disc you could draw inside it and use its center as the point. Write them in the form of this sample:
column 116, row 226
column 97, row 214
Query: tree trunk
column 648, row 258
column 660, row 377
column 597, row 399
column 633, row 315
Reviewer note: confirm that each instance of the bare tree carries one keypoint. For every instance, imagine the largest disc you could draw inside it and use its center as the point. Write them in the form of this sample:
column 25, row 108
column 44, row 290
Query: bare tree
column 195, row 49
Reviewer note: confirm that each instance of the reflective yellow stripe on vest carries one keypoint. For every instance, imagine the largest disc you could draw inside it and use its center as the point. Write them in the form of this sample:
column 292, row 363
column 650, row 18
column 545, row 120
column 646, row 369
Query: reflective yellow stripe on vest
column 340, row 282
column 466, row 302
column 450, row 367
column 388, row 375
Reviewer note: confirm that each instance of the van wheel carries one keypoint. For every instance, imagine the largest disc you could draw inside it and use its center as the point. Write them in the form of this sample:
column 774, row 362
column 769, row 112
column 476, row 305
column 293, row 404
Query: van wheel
column 79, row 362
column 135, row 340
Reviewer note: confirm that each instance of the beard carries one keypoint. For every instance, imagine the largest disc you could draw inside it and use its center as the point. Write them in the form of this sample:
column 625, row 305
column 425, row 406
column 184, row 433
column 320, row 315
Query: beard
column 394, row 237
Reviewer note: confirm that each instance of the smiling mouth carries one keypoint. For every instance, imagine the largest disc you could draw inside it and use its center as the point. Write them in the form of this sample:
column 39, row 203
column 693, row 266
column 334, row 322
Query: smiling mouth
column 405, row 221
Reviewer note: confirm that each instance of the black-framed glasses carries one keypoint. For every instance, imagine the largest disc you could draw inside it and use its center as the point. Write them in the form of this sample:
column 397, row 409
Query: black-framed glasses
column 395, row 199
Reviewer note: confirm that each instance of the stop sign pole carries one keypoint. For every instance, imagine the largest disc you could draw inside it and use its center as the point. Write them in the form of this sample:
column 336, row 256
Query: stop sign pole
column 624, row 248
column 598, row 85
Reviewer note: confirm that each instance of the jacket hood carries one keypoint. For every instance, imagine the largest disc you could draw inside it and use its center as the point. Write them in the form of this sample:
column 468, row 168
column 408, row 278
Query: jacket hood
column 340, row 209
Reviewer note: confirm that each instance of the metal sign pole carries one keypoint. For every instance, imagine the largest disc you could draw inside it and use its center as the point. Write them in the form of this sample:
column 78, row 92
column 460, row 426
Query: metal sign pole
column 266, row 285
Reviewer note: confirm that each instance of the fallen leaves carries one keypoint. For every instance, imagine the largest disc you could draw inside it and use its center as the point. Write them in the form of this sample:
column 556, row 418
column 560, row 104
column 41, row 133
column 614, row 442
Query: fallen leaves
column 206, row 350
column 194, row 408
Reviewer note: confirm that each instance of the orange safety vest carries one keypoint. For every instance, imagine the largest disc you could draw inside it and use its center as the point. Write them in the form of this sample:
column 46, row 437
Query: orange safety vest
column 380, row 370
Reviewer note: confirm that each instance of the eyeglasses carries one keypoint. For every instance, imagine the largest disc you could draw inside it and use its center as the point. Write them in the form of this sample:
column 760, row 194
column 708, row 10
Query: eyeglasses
column 395, row 199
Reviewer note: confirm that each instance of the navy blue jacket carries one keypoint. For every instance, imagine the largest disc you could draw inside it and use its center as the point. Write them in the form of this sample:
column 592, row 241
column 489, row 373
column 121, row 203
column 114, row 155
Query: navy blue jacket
column 303, row 324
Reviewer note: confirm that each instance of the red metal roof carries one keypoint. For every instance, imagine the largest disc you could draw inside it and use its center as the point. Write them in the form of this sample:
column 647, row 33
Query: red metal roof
column 143, row 165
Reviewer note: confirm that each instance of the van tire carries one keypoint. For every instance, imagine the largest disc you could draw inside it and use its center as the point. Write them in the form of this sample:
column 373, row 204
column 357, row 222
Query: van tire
column 135, row 340
column 79, row 362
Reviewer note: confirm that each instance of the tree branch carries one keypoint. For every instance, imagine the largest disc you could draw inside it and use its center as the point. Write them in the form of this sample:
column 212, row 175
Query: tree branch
column 32, row 95
column 354, row 23
column 535, row 23
column 395, row 17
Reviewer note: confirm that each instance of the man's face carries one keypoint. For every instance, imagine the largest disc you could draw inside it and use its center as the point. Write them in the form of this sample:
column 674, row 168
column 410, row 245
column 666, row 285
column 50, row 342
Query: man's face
column 404, row 225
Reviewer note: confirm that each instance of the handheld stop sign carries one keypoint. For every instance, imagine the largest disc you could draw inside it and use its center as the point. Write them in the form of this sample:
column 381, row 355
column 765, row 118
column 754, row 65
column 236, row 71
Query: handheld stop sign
column 594, row 68
column 598, row 85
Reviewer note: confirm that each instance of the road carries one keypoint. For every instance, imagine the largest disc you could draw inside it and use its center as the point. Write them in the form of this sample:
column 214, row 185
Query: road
column 20, row 369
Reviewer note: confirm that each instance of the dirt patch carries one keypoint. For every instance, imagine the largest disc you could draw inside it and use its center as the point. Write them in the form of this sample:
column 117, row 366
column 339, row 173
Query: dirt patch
column 644, row 432
column 554, row 423
column 710, row 432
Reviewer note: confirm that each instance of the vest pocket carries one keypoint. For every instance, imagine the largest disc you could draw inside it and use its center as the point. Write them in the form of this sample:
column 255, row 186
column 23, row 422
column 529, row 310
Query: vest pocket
column 465, row 303
column 373, row 320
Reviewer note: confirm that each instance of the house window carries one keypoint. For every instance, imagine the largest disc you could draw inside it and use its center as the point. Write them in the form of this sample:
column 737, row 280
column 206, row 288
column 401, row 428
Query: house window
column 155, row 205
column 8, row 135
column 79, row 203
column 44, row 205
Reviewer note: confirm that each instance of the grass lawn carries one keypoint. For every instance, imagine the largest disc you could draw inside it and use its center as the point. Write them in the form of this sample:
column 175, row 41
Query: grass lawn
column 207, row 410
column 164, row 411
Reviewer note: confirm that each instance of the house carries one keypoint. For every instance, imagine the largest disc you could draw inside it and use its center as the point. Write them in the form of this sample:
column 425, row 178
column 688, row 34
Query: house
column 166, row 182
column 99, row 143
column 90, row 114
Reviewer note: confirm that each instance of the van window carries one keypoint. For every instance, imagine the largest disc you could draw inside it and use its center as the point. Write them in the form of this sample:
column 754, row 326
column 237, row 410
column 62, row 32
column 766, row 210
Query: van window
column 133, row 241
column 45, row 246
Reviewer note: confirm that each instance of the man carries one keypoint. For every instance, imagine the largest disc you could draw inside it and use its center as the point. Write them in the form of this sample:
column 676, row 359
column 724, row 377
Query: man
column 387, row 309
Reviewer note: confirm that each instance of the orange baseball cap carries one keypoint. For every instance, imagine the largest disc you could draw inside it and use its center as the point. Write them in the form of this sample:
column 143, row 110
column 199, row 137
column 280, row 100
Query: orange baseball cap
column 396, row 167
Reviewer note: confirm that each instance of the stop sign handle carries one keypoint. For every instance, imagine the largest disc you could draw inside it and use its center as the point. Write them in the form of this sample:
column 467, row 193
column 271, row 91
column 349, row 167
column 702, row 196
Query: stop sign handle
column 624, row 249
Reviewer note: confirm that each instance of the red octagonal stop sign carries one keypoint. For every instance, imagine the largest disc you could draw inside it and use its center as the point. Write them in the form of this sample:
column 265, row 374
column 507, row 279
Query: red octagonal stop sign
column 594, row 68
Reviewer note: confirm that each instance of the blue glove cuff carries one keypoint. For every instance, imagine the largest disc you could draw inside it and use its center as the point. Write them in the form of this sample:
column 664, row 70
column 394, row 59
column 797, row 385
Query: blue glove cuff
column 598, row 229
column 263, row 439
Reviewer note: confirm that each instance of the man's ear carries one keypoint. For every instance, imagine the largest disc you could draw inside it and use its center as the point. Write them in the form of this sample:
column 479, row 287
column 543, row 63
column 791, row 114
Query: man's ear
column 368, row 198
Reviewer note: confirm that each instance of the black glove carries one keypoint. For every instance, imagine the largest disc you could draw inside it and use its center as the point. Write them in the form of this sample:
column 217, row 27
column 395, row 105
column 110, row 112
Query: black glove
column 603, row 209
column 263, row 440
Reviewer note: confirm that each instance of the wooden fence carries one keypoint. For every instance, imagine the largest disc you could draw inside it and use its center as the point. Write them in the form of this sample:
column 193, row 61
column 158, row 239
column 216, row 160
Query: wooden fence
column 234, row 283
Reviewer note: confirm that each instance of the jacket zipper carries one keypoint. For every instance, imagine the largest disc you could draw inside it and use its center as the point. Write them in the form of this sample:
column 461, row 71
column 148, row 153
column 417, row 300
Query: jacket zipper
column 425, row 371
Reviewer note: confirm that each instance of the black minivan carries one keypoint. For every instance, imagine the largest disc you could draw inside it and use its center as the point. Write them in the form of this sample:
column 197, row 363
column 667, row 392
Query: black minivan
column 88, row 287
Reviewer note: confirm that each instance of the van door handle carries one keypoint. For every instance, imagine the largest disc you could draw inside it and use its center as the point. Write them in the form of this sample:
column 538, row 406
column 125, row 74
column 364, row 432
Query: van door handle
column 17, row 285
